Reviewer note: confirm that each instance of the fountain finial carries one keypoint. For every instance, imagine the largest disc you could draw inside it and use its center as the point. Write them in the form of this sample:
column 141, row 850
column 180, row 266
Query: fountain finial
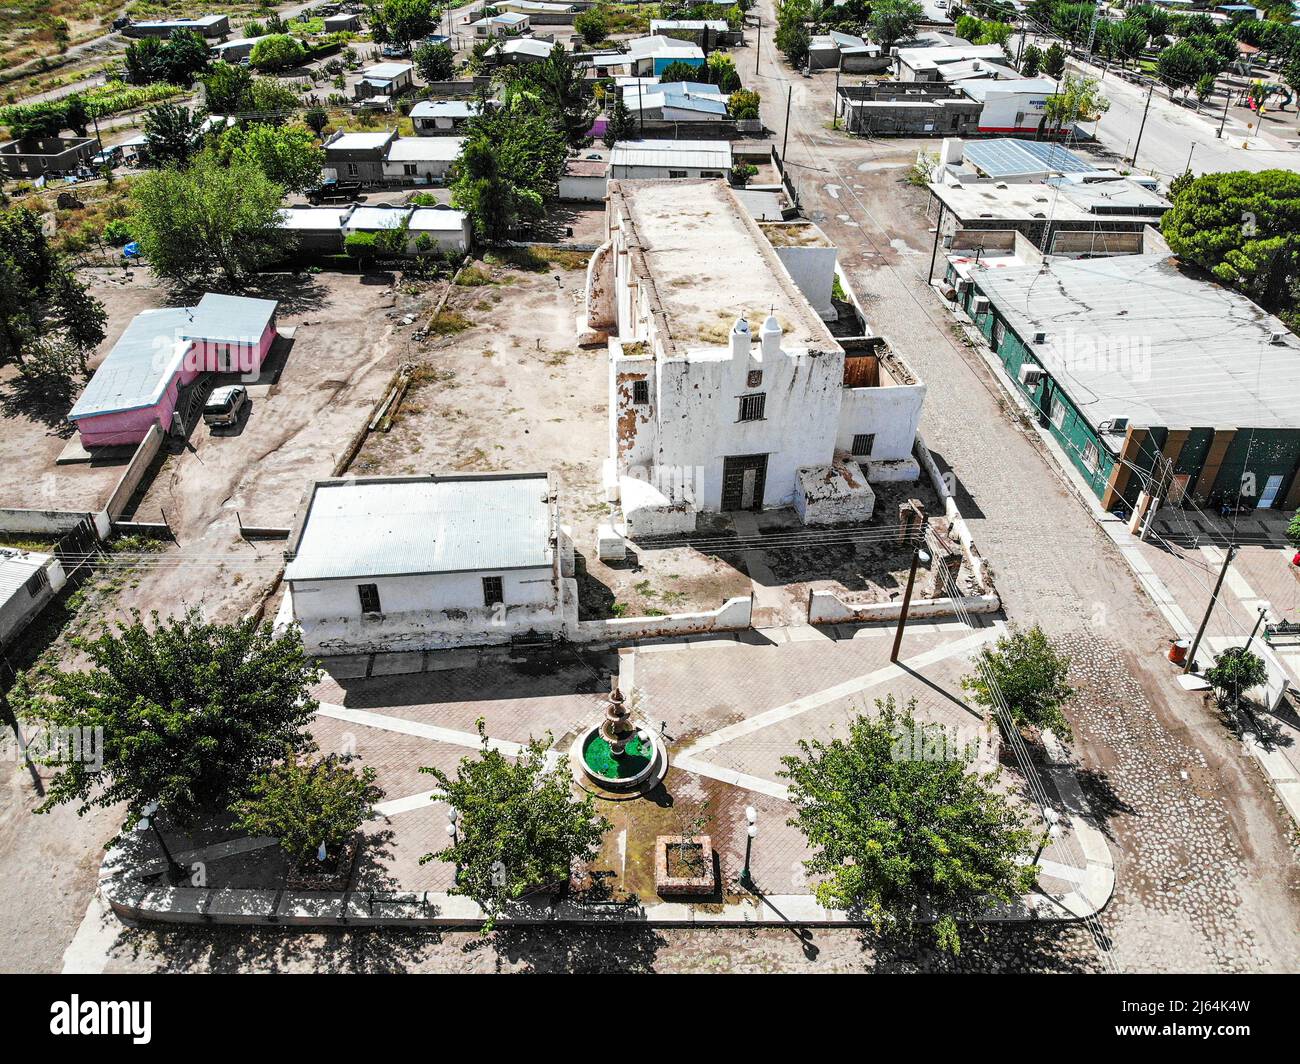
column 617, row 728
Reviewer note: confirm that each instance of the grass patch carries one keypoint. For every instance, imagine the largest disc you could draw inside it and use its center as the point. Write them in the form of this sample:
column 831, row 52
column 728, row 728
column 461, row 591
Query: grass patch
column 449, row 323
column 473, row 277
column 539, row 259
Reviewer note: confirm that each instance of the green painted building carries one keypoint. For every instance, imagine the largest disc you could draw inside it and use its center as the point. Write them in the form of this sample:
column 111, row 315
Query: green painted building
column 1132, row 360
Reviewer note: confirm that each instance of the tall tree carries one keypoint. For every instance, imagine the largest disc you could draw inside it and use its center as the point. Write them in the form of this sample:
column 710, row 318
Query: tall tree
column 277, row 51
column 556, row 85
column 896, row 838
column 1242, row 227
column 403, row 21
column 211, row 219
column 46, row 315
column 189, row 712
column 435, row 62
column 1179, row 66
column 288, row 155
column 620, row 124
column 172, row 135
column 1029, row 674
column 520, row 828
column 1054, row 60
column 1078, row 99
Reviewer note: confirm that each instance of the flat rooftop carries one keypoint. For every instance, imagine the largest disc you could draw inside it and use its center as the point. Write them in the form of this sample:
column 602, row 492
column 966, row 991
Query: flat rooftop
column 424, row 149
column 709, row 264
column 1165, row 348
column 404, row 526
column 1061, row 202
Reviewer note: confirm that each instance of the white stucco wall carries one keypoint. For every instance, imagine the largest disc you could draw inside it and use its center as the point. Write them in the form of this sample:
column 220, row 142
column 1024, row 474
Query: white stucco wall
column 813, row 270
column 424, row 612
column 891, row 412
column 1001, row 109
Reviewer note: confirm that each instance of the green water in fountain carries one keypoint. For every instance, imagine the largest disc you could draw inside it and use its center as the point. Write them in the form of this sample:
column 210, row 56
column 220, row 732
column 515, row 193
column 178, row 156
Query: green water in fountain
column 601, row 760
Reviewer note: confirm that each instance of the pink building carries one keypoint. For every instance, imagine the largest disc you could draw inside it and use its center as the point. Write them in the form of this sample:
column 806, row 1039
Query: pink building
column 138, row 383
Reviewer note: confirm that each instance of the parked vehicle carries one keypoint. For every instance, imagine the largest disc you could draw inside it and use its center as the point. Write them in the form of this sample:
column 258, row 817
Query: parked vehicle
column 225, row 406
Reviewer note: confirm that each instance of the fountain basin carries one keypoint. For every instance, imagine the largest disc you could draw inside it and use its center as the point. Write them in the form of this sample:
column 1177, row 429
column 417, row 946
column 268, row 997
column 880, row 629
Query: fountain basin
column 641, row 760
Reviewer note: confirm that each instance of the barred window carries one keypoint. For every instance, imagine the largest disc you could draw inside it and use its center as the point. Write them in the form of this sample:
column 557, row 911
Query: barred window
column 751, row 407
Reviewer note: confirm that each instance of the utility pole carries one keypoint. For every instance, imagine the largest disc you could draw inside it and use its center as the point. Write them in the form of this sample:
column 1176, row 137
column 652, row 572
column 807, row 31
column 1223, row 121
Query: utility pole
column 1191, row 652
column 785, row 139
column 758, row 42
column 918, row 555
column 1150, row 90
column 1263, row 612
column 1227, row 99
column 835, row 112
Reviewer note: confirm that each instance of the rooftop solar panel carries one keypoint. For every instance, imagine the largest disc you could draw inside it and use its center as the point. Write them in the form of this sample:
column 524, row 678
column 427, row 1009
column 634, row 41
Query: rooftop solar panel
column 1008, row 157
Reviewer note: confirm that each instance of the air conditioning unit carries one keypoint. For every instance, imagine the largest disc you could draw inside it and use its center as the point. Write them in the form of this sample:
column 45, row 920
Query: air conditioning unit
column 980, row 306
column 1277, row 338
column 963, row 287
column 1030, row 375
column 1040, row 337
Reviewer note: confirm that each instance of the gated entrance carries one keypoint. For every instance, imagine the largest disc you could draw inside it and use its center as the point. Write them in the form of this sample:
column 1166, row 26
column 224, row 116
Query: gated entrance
column 743, row 476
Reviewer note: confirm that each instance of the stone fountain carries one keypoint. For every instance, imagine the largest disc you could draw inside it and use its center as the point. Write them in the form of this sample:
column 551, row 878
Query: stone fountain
column 618, row 753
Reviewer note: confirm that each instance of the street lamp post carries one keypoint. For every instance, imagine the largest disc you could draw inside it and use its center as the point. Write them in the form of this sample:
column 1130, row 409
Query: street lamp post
column 452, row 817
column 148, row 820
column 751, row 832
column 918, row 556
column 1143, row 125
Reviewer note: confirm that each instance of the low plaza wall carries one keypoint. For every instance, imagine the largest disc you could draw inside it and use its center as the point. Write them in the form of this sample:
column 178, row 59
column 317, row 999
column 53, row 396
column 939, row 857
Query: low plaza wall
column 733, row 615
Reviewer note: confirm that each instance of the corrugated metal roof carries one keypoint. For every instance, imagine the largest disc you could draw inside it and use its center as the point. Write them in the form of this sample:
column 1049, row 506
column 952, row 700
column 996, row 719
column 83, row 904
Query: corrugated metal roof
column 445, row 109
column 387, row 71
column 689, row 153
column 1134, row 336
column 16, row 568
column 424, row 149
column 313, row 218
column 375, row 218
column 140, row 365
column 404, row 526
column 359, row 141
column 230, row 319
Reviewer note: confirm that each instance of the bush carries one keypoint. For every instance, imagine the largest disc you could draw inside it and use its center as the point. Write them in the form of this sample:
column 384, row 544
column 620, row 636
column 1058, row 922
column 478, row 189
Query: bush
column 277, row 52
column 592, row 26
column 116, row 233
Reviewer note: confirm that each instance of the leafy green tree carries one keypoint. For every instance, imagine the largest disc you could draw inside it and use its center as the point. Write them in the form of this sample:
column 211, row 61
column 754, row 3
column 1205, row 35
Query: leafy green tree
column 897, row 837
column 402, row 21
column 1242, row 227
column 277, row 52
column 190, row 712
column 895, row 20
column 1054, row 61
column 592, row 25
column 509, row 168
column 1031, row 61
column 743, row 104
column 1179, row 66
column 1205, row 86
column 172, row 135
column 212, row 219
column 229, row 89
column 967, row 27
column 1130, row 37
column 47, row 317
column 1293, row 530
column 1234, row 672
column 520, row 827
column 679, row 71
column 557, row 87
column 304, row 804
column 272, row 103
column 721, row 71
column 620, row 124
column 178, row 60
column 288, row 155
column 435, row 62
column 316, row 119
column 994, row 32
column 1031, row 675
column 792, row 37
column 1078, row 99
column 48, row 118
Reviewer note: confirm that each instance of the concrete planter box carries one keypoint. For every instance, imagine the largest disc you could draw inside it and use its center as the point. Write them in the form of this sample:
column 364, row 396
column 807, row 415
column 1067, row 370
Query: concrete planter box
column 666, row 884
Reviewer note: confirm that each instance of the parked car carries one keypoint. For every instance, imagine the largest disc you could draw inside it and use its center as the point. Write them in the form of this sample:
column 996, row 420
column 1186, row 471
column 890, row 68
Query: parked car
column 225, row 406
column 108, row 157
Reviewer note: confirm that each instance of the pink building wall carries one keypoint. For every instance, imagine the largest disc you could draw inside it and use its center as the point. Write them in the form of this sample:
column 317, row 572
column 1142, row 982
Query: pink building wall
column 209, row 357
column 129, row 426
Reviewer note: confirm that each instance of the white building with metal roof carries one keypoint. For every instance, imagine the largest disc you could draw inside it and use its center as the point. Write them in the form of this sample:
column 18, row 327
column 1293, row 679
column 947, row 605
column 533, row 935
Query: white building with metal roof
column 421, row 160
column 428, row 562
column 652, row 159
column 28, row 581
column 431, row 117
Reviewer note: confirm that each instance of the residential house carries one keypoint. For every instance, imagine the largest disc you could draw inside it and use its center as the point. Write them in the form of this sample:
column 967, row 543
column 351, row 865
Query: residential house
column 421, row 160
column 677, row 101
column 213, row 27
column 586, row 177
column 345, row 22
column 509, row 24
column 314, row 230
column 1134, row 361
column 650, row 55
column 432, row 117
column 653, row 159
column 701, row 417
column 28, row 581
column 441, row 228
column 33, row 157
column 139, row 383
column 891, row 108
column 426, row 562
column 708, row 33
column 384, row 81
column 846, row 52
column 359, row 156
column 236, row 51
column 520, row 50
column 540, row 13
